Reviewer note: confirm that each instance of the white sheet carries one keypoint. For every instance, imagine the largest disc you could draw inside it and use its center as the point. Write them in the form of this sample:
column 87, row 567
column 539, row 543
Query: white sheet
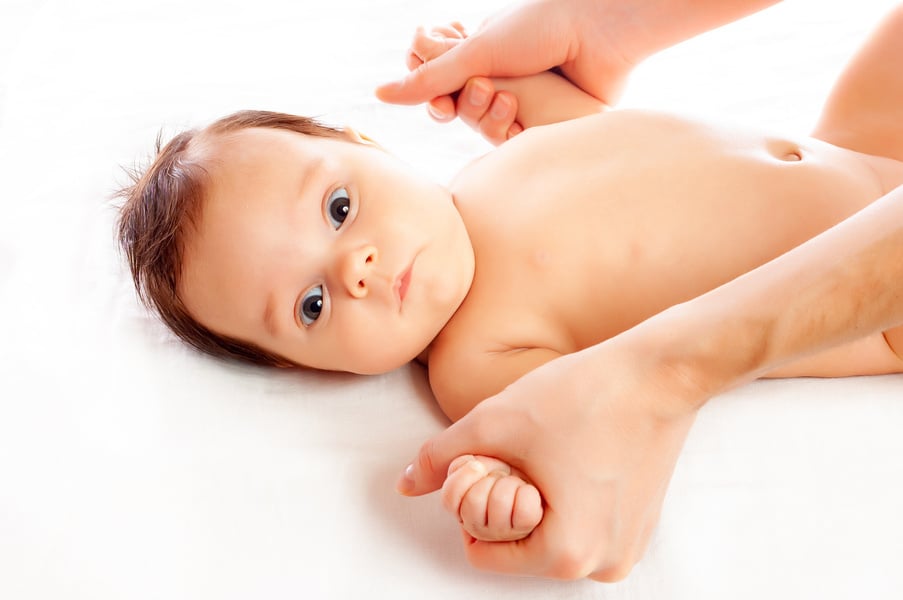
column 132, row 467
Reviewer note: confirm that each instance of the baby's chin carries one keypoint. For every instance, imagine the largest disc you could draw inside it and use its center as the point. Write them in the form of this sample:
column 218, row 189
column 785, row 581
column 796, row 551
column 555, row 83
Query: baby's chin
column 387, row 364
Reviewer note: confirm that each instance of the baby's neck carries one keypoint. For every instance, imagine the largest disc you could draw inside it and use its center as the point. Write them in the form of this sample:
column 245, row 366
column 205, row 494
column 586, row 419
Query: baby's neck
column 424, row 357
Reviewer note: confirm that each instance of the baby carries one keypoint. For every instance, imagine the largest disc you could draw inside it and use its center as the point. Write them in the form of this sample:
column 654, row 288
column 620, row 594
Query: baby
column 273, row 239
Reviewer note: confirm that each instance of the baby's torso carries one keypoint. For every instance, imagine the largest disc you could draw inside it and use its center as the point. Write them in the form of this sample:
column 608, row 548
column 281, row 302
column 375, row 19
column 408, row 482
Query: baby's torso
column 585, row 228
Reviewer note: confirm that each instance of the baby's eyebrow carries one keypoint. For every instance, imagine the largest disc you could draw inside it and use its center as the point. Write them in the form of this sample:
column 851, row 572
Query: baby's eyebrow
column 309, row 172
column 269, row 312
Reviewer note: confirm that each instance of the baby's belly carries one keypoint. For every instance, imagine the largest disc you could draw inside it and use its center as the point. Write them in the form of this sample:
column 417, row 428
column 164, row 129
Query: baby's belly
column 616, row 220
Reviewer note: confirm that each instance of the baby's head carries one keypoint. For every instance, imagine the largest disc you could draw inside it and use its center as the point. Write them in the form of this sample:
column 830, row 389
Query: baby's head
column 271, row 238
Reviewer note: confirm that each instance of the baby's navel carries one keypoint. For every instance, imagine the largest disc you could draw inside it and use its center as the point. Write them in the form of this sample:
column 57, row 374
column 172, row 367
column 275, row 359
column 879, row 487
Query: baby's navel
column 784, row 150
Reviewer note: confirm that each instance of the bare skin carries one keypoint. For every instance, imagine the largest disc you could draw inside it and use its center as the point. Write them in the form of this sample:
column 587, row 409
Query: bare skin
column 594, row 43
column 579, row 230
column 531, row 300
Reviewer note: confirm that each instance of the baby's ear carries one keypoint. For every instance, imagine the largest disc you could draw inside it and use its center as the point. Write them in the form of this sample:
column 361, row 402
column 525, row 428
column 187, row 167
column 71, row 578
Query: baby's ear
column 357, row 137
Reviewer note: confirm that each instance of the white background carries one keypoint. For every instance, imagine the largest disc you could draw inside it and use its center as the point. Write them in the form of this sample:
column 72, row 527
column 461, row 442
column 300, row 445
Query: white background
column 131, row 467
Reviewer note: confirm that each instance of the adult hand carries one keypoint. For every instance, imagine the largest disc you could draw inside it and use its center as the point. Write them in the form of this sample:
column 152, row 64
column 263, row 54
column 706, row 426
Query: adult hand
column 586, row 39
column 598, row 432
column 478, row 104
column 593, row 43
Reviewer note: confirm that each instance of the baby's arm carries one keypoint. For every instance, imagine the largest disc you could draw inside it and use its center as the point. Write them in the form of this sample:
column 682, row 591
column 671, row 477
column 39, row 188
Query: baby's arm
column 547, row 98
column 490, row 499
column 501, row 108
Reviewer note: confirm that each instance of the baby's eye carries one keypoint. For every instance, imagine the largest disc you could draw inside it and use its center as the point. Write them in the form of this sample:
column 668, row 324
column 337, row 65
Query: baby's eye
column 338, row 205
column 311, row 305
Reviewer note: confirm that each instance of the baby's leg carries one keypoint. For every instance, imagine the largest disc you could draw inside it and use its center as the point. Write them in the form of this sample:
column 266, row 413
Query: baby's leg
column 865, row 109
column 490, row 499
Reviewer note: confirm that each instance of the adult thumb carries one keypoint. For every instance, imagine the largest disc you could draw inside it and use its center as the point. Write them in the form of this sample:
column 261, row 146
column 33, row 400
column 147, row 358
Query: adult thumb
column 427, row 471
column 438, row 77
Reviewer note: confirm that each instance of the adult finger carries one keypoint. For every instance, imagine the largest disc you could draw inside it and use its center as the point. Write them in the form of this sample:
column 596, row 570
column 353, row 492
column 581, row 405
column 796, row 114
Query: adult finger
column 544, row 552
column 498, row 120
column 487, row 430
column 438, row 77
column 442, row 109
column 474, row 100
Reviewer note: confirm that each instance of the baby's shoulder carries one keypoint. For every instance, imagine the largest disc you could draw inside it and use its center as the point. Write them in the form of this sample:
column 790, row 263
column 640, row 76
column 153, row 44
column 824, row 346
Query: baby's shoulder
column 480, row 352
column 462, row 375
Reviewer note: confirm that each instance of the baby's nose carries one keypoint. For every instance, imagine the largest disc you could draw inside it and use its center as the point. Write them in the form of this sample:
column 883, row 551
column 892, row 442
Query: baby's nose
column 356, row 267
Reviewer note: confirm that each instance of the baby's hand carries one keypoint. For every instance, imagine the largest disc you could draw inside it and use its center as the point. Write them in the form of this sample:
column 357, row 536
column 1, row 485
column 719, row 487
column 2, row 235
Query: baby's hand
column 490, row 499
column 492, row 113
column 499, row 108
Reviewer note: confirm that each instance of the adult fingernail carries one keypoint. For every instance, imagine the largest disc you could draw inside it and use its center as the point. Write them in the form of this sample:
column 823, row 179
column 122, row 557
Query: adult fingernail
column 436, row 113
column 500, row 108
column 405, row 484
column 479, row 94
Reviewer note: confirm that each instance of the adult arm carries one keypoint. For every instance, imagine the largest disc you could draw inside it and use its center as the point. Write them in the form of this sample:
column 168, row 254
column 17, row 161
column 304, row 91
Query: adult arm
column 594, row 43
column 599, row 431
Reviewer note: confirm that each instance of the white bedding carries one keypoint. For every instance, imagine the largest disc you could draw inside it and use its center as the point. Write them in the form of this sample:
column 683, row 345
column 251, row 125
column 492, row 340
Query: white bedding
column 132, row 467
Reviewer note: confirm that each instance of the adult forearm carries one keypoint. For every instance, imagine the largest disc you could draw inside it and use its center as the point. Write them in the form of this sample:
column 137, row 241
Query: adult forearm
column 649, row 26
column 839, row 286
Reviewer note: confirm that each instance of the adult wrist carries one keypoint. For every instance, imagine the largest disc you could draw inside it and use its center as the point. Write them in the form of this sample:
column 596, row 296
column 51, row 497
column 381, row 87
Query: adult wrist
column 700, row 354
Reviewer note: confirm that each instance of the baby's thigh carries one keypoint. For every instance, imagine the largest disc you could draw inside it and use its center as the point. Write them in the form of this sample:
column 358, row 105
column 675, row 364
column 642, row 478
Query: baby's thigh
column 864, row 111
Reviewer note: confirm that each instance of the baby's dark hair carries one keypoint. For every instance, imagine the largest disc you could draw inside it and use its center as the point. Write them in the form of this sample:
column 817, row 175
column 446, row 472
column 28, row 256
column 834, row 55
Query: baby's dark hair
column 158, row 205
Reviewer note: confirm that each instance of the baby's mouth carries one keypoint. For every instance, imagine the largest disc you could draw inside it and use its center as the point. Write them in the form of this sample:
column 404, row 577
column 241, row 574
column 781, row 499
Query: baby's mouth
column 403, row 282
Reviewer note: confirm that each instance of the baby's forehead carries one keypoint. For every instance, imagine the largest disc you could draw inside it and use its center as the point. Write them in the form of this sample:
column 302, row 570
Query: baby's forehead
column 250, row 145
column 219, row 144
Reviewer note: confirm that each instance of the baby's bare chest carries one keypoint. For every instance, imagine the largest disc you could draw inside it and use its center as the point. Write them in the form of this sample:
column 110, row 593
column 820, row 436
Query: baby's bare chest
column 577, row 242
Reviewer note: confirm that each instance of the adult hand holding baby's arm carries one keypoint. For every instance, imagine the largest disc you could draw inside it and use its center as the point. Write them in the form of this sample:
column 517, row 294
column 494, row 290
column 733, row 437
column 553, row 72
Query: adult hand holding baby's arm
column 499, row 108
column 598, row 433
column 593, row 43
column 493, row 113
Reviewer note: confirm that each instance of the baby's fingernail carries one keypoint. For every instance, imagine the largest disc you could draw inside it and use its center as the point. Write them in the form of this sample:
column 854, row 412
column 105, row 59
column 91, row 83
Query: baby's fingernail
column 405, row 484
column 514, row 130
column 477, row 466
column 458, row 463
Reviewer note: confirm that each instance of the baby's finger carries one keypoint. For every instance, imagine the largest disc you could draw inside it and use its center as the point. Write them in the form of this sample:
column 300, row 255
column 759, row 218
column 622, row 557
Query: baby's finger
column 428, row 47
column 411, row 60
column 475, row 505
column 452, row 30
column 527, row 512
column 463, row 473
column 501, row 503
column 462, row 31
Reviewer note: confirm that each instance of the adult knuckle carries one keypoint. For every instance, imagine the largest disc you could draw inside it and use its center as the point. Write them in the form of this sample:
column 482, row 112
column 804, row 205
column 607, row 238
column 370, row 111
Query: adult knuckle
column 426, row 458
column 570, row 563
column 483, row 430
column 617, row 571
